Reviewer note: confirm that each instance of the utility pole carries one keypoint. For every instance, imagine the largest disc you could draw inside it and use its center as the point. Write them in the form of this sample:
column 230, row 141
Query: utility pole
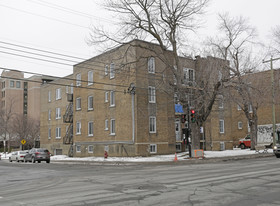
column 273, row 96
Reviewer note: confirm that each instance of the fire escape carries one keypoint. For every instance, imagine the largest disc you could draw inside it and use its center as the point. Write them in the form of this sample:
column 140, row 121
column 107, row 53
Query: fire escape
column 68, row 118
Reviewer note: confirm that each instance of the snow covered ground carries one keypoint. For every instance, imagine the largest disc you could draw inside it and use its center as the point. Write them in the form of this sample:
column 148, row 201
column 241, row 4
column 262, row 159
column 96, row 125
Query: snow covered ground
column 156, row 158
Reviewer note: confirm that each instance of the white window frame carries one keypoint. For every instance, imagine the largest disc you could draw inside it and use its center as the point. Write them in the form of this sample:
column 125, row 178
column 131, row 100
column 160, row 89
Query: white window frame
column 112, row 70
column 71, row 88
column 221, row 101
column 57, row 113
column 112, row 98
column 153, row 151
column 222, row 126
column 152, row 124
column 78, row 80
column 90, row 103
column 106, row 96
column 78, row 148
column 18, row 84
column 106, row 70
column 58, row 132
column 152, row 94
column 90, row 128
column 50, row 114
column 113, row 127
column 58, row 94
column 106, row 124
column 151, row 65
column 12, row 83
column 238, row 107
column 49, row 133
column 78, row 127
column 240, row 125
column 49, row 96
column 78, row 103
column 90, row 149
column 90, row 77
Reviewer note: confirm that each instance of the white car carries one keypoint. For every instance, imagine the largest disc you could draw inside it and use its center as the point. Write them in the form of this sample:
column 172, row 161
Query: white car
column 18, row 156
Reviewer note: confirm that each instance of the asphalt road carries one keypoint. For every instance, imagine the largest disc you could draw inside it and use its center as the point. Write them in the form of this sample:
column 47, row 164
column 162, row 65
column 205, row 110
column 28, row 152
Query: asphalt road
column 236, row 182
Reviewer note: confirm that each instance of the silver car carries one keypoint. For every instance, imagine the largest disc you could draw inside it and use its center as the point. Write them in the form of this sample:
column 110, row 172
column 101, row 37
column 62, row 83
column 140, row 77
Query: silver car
column 18, row 156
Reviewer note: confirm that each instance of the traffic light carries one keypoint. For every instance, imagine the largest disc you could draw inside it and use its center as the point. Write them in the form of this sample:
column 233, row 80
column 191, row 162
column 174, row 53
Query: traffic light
column 183, row 118
column 193, row 119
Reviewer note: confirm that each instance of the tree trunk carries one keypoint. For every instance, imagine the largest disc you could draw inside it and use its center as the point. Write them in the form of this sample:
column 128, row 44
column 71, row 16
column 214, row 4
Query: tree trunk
column 254, row 132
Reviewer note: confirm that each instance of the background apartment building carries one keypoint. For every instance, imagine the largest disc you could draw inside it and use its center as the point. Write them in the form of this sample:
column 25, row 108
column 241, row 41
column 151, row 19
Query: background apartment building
column 20, row 97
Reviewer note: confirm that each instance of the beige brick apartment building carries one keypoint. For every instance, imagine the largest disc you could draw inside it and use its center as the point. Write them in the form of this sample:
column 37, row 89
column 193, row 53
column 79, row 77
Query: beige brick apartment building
column 120, row 103
column 19, row 96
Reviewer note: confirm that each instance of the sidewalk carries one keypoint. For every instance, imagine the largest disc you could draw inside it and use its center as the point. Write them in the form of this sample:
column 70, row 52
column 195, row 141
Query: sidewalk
column 209, row 156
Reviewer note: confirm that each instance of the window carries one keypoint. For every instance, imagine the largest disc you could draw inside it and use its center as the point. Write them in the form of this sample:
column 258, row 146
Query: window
column 12, row 83
column 49, row 96
column 78, row 148
column 50, row 113
column 250, row 109
column 112, row 71
column 151, row 65
column 222, row 126
column 58, row 93
column 106, row 96
column 113, row 131
column 153, row 148
column 188, row 75
column 221, row 101
column 57, row 113
column 106, row 124
column 90, row 149
column 50, row 133
column 78, row 103
column 78, row 80
column 238, row 107
column 152, row 124
column 58, row 132
column 220, row 76
column 106, row 70
column 90, row 102
column 90, row 77
column 112, row 98
column 17, row 84
column 71, row 88
column 152, row 95
column 240, row 125
column 78, row 127
column 90, row 128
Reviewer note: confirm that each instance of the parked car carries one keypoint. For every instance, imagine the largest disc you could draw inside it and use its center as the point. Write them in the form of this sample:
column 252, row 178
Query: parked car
column 18, row 156
column 38, row 154
column 276, row 150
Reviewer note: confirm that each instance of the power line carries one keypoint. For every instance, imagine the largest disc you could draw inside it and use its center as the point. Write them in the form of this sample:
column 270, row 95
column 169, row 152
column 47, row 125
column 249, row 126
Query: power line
column 50, row 61
column 2, row 42
column 46, row 17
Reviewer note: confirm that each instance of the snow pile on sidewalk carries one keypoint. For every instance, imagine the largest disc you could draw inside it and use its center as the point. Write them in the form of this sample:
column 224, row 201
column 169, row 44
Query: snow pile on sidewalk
column 156, row 158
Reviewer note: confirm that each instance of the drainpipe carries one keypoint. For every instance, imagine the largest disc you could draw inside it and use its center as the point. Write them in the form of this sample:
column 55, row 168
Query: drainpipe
column 132, row 92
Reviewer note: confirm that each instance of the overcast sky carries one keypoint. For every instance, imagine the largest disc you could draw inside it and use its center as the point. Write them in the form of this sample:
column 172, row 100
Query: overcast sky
column 62, row 26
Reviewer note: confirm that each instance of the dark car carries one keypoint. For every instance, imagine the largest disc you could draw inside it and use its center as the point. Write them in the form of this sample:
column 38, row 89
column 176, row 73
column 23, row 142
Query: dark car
column 38, row 154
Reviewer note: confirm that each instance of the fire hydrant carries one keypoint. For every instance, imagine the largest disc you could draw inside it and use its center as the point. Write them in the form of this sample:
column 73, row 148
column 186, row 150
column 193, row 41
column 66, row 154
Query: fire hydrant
column 105, row 154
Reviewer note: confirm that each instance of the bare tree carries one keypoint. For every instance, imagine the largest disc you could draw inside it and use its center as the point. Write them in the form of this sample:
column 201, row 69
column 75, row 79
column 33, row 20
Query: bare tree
column 25, row 128
column 276, row 39
column 6, row 118
column 234, row 44
column 167, row 23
